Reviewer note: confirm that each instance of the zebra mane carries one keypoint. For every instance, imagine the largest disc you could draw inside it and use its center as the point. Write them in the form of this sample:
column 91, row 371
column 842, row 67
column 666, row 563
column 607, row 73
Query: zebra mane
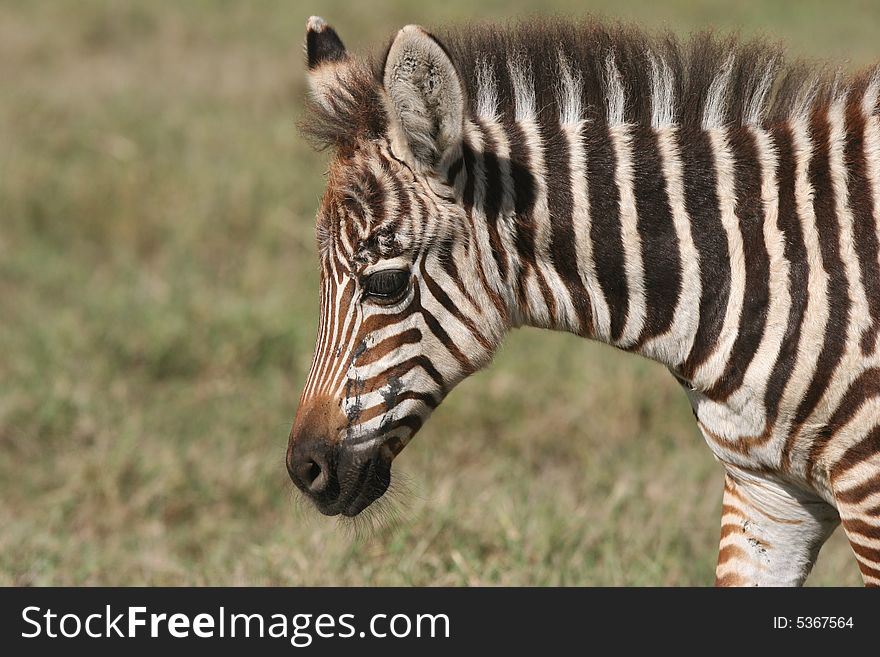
column 604, row 73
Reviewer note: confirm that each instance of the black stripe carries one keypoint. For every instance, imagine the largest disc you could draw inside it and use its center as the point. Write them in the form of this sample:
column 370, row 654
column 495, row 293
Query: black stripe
column 404, row 208
column 605, row 228
column 525, row 192
column 865, row 387
column 560, row 205
column 444, row 300
column 837, row 287
column 756, row 299
column 710, row 241
column 661, row 262
column 384, row 347
column 468, row 203
column 412, row 422
column 440, row 333
column 861, row 203
column 796, row 254
column 447, row 261
column 381, row 379
column 492, row 195
column 392, row 400
column 374, row 194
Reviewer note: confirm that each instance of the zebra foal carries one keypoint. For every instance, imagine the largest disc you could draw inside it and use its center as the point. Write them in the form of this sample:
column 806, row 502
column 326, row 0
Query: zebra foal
column 700, row 203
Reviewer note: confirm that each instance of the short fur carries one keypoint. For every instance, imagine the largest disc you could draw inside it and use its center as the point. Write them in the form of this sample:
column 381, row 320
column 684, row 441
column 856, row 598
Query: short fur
column 755, row 87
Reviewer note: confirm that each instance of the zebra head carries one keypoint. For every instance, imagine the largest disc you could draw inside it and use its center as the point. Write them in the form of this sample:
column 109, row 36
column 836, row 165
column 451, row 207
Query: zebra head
column 406, row 312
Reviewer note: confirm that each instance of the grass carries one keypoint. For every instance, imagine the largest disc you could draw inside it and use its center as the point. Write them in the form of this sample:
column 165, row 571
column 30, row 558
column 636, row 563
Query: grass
column 158, row 301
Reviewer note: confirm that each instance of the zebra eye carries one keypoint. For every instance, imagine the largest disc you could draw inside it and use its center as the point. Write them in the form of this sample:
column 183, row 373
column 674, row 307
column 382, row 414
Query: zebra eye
column 387, row 285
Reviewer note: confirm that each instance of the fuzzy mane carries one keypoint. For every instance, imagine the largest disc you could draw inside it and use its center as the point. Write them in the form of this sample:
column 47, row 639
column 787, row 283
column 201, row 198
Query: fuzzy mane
column 603, row 73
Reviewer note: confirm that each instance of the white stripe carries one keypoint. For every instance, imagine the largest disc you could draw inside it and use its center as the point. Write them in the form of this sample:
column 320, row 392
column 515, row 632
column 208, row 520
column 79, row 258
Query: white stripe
column 537, row 311
column 581, row 224
column 319, row 341
column 523, row 88
column 615, row 96
column 662, row 92
column 480, row 223
column 872, row 167
column 352, row 319
column 506, row 211
column 487, row 91
column 805, row 100
column 816, row 314
column 716, row 99
column 746, row 404
column 569, row 89
column 714, row 365
column 872, row 91
column 328, row 317
column 565, row 313
column 862, row 422
column 756, row 108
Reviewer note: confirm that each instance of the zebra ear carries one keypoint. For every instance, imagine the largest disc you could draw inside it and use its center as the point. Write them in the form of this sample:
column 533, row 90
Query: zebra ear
column 322, row 44
column 325, row 57
column 424, row 98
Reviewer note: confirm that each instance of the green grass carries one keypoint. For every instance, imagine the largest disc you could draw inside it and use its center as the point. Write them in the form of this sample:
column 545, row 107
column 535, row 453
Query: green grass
column 158, row 300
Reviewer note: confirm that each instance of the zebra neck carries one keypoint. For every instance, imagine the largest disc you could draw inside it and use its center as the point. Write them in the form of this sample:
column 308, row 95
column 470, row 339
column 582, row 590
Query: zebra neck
column 586, row 228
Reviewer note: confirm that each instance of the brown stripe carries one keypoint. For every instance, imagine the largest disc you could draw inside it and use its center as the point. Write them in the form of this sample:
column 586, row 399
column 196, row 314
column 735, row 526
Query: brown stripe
column 374, row 411
column 732, row 510
column 856, row 494
column 376, row 382
column 373, row 195
column 334, row 341
column 730, row 528
column 866, row 386
column 866, row 552
column 386, row 346
column 865, row 449
column 862, row 528
column 729, row 552
column 730, row 579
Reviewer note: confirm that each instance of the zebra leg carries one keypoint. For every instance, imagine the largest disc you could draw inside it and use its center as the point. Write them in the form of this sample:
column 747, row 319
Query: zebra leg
column 862, row 527
column 856, row 484
column 770, row 533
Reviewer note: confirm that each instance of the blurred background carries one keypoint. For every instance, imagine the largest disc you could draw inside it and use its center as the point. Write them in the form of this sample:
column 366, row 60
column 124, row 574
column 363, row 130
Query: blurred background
column 158, row 304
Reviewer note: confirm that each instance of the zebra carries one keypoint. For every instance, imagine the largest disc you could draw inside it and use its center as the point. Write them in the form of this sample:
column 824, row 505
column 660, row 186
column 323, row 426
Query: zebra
column 700, row 202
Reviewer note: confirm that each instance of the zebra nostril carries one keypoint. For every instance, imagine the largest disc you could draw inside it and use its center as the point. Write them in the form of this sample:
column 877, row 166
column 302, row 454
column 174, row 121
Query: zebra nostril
column 313, row 472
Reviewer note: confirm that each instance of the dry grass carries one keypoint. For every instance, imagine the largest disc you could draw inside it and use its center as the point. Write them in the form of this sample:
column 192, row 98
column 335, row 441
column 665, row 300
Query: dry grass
column 157, row 315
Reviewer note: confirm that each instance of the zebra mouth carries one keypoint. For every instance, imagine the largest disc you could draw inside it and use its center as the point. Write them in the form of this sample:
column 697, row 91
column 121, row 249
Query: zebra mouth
column 371, row 482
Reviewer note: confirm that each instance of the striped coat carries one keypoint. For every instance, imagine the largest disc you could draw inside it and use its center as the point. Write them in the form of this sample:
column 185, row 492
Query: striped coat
column 701, row 203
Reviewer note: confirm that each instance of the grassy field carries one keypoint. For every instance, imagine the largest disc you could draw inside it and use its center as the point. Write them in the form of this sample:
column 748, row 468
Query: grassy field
column 158, row 301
